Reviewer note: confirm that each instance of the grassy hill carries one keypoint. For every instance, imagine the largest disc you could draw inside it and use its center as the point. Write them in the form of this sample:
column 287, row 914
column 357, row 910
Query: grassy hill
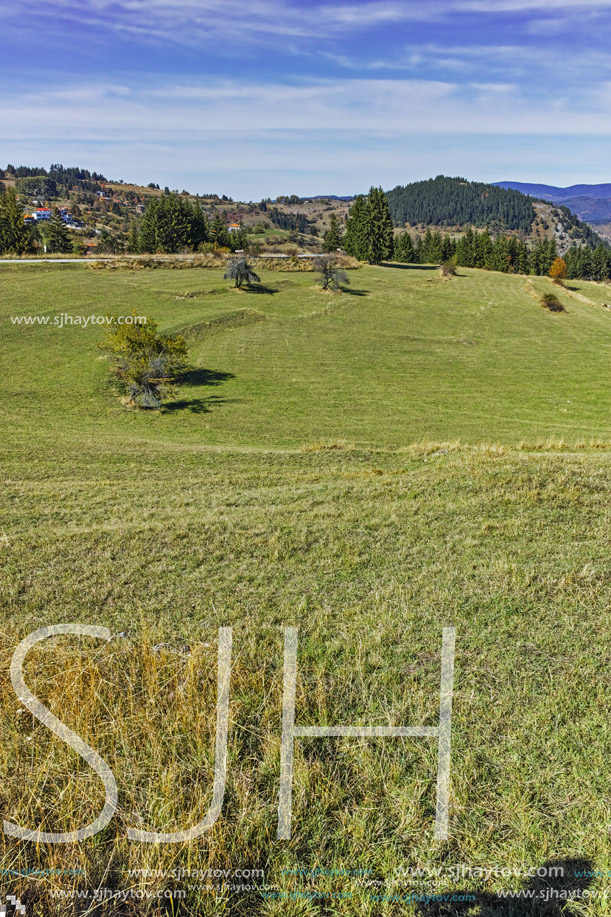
column 370, row 467
column 402, row 356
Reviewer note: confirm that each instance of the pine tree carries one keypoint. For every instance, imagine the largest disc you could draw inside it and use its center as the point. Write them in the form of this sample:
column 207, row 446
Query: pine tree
column 426, row 247
column 356, row 236
column 465, row 249
column 133, row 243
column 15, row 235
column 218, row 233
column 369, row 228
column 601, row 263
column 57, row 235
column 332, row 239
column 200, row 228
column 404, row 249
column 171, row 224
column 381, row 227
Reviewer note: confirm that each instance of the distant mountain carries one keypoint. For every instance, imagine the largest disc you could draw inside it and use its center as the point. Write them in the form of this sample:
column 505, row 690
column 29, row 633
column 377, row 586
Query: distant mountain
column 453, row 204
column 591, row 203
column 555, row 194
column 329, row 197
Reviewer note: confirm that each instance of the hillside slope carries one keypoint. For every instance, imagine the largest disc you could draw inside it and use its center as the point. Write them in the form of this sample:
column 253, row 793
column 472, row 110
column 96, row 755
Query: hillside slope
column 402, row 356
column 454, row 203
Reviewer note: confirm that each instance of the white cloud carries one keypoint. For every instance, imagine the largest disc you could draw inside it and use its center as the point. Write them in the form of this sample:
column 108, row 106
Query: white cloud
column 517, row 6
column 495, row 87
column 392, row 106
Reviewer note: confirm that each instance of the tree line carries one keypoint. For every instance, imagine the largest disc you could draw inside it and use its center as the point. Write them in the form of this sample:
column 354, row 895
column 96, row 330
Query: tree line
column 172, row 223
column 46, row 182
column 369, row 236
column 503, row 253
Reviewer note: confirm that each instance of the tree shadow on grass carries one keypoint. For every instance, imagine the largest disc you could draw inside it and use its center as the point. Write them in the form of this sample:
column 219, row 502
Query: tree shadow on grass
column 350, row 292
column 259, row 288
column 203, row 377
column 550, row 895
column 195, row 405
column 198, row 377
column 399, row 266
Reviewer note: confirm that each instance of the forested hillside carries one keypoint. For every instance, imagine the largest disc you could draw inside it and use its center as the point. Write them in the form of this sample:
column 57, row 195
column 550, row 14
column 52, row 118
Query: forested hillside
column 445, row 201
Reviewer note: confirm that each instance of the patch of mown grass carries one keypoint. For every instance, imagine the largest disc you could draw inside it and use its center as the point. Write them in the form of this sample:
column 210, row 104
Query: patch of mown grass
column 386, row 368
column 309, row 495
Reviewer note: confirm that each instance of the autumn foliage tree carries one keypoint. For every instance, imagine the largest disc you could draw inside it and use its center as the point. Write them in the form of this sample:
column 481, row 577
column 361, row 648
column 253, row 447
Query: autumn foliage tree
column 558, row 270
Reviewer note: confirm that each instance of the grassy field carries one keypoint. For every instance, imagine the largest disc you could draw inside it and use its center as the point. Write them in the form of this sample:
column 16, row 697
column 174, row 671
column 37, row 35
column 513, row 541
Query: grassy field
column 370, row 467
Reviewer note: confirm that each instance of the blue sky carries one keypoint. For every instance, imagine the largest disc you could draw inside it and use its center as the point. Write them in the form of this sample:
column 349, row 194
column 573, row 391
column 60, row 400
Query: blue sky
column 257, row 98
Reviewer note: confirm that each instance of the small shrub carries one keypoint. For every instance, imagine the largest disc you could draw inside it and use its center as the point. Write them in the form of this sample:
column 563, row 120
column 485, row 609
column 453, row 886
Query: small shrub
column 448, row 269
column 331, row 275
column 551, row 302
column 240, row 272
column 145, row 363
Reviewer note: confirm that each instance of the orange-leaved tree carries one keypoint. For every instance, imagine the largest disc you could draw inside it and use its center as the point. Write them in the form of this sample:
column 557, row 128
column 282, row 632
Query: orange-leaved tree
column 558, row 270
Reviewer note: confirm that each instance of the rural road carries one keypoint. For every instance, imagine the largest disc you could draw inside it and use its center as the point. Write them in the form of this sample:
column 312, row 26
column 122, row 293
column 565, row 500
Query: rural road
column 91, row 260
column 51, row 260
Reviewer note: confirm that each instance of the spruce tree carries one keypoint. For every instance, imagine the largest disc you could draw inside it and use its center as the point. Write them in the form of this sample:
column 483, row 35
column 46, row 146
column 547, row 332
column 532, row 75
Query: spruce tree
column 332, row 239
column 219, row 234
column 169, row 224
column 133, row 242
column 601, row 263
column 369, row 228
column 381, row 227
column 15, row 235
column 57, row 235
column 200, row 228
column 404, row 249
column 355, row 238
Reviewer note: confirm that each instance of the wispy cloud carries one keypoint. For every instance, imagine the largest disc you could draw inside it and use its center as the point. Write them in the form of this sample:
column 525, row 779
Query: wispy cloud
column 190, row 21
column 391, row 106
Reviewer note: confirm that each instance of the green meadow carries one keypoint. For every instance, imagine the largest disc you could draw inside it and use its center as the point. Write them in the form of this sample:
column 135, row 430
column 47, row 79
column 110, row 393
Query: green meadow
column 413, row 453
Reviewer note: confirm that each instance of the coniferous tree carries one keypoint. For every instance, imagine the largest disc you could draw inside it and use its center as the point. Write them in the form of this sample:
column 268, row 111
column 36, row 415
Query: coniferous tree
column 369, row 228
column 332, row 239
column 15, row 235
column 133, row 242
column 171, row 224
column 426, row 247
column 219, row 234
column 381, row 227
column 465, row 249
column 57, row 235
column 404, row 249
column 200, row 228
column 355, row 238
column 601, row 263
